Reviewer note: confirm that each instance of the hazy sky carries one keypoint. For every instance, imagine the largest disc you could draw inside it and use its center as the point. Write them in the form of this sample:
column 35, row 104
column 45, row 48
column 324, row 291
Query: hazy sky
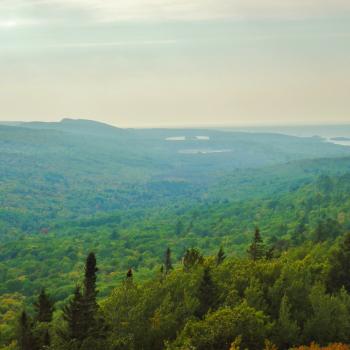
column 175, row 62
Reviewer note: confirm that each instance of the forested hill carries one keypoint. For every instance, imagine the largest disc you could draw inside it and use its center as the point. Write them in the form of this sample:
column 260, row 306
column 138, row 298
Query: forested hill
column 74, row 168
column 316, row 211
column 73, row 187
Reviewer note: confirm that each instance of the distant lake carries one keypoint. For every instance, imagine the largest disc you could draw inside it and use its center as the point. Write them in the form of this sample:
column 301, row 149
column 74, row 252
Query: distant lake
column 188, row 138
column 204, row 151
column 338, row 142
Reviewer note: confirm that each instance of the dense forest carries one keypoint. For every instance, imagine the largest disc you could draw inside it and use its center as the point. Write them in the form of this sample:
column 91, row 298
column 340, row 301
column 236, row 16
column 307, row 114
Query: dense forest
column 270, row 299
column 224, row 241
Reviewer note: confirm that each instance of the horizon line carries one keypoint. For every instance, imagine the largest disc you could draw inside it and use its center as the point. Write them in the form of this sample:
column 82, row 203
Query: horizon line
column 189, row 126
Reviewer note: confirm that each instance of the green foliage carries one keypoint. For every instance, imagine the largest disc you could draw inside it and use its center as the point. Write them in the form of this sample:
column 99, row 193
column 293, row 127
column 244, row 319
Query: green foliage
column 192, row 258
column 89, row 301
column 287, row 331
column 220, row 257
column 282, row 301
column 329, row 321
column 131, row 205
column 44, row 307
column 256, row 250
column 339, row 273
column 207, row 293
column 167, row 261
column 73, row 315
column 26, row 339
column 221, row 328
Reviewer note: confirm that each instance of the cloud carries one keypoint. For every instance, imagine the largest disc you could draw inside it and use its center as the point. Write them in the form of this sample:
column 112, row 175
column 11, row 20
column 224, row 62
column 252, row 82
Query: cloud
column 186, row 10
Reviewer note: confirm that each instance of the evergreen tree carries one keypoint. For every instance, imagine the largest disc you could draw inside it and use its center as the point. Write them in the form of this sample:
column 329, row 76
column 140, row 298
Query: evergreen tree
column 191, row 258
column 220, row 257
column 129, row 274
column 44, row 307
column 206, row 293
column 167, row 261
column 90, row 306
column 256, row 249
column 73, row 315
column 26, row 340
column 90, row 291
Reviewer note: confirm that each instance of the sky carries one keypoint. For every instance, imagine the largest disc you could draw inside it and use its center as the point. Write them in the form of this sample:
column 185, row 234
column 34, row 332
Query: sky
column 145, row 63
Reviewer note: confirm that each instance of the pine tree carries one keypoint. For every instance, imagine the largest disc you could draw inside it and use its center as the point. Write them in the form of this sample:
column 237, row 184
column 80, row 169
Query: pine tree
column 206, row 293
column 26, row 340
column 167, row 261
column 73, row 314
column 220, row 257
column 256, row 249
column 90, row 291
column 44, row 307
column 191, row 258
column 90, row 306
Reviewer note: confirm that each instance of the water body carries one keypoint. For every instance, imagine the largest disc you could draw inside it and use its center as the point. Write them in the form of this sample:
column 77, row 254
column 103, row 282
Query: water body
column 328, row 133
column 204, row 151
column 339, row 142
column 188, row 138
column 176, row 138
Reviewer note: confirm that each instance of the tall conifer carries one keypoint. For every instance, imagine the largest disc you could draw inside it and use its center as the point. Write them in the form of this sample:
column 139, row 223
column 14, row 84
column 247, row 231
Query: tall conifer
column 167, row 261
column 90, row 306
column 73, row 315
column 256, row 249
column 220, row 257
column 44, row 307
column 26, row 340
column 206, row 293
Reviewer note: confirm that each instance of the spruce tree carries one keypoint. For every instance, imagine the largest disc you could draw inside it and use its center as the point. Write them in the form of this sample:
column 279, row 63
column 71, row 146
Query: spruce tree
column 26, row 340
column 192, row 258
column 167, row 261
column 73, row 315
column 129, row 274
column 44, row 307
column 90, row 306
column 90, row 291
column 220, row 257
column 206, row 293
column 256, row 249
